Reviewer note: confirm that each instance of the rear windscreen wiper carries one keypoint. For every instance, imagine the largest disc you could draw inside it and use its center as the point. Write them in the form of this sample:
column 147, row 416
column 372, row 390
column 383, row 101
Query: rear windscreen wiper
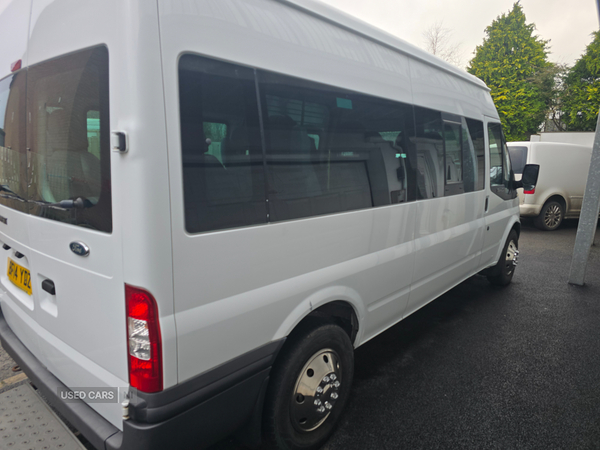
column 78, row 203
column 10, row 193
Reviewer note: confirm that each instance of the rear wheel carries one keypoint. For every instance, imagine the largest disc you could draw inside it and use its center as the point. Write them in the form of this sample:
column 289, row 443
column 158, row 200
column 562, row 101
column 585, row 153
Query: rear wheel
column 551, row 216
column 309, row 387
column 502, row 273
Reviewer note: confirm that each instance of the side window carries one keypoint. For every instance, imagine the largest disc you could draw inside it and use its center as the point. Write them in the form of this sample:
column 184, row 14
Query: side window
column 429, row 144
column 329, row 150
column 474, row 136
column 223, row 174
column 500, row 169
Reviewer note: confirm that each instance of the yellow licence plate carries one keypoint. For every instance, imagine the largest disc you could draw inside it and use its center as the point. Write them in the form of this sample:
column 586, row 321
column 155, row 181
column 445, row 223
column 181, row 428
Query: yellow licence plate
column 20, row 276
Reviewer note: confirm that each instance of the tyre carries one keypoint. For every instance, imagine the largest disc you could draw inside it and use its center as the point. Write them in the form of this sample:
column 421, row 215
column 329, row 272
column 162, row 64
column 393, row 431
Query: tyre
column 551, row 216
column 501, row 274
column 309, row 387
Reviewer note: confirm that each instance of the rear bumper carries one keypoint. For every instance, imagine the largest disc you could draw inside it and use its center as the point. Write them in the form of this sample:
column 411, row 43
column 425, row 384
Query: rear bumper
column 194, row 414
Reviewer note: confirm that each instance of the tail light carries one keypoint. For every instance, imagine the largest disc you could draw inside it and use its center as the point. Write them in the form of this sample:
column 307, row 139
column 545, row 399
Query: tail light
column 143, row 334
column 529, row 192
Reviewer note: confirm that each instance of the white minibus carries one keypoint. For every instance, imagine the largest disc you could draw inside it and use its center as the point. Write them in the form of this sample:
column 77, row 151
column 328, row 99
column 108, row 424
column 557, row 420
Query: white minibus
column 206, row 205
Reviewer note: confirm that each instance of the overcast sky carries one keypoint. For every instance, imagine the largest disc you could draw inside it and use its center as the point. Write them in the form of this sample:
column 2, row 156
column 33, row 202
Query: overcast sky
column 567, row 23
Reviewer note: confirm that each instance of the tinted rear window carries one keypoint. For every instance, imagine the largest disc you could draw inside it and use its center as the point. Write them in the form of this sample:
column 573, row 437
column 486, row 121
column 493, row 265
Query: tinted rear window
column 518, row 158
column 69, row 138
column 13, row 158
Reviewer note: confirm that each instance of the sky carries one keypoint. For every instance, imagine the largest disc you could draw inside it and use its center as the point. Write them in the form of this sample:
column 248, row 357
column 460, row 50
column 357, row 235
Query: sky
column 566, row 23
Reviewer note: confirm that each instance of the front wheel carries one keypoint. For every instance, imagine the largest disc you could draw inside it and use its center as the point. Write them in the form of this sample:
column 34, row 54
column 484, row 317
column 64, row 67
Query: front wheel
column 309, row 388
column 502, row 273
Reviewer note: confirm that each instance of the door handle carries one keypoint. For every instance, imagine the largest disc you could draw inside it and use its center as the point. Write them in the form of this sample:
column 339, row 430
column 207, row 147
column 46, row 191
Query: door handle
column 487, row 203
column 48, row 286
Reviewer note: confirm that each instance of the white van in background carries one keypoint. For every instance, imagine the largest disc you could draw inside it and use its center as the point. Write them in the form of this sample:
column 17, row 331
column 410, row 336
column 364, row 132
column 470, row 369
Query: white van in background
column 561, row 184
column 209, row 204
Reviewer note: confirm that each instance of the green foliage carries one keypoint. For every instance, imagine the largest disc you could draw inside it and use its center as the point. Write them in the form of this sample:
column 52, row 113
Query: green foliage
column 580, row 101
column 514, row 64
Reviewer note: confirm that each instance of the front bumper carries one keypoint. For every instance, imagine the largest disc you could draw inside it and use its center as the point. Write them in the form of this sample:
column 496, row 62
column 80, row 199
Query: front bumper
column 194, row 414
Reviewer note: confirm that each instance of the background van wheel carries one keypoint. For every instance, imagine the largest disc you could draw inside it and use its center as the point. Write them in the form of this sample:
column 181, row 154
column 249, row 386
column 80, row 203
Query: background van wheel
column 309, row 387
column 551, row 216
column 501, row 274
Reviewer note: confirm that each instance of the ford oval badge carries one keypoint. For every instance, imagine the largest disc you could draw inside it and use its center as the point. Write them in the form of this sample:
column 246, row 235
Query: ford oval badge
column 79, row 248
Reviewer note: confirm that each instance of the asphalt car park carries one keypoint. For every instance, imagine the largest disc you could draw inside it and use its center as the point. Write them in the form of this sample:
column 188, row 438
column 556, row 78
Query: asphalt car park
column 481, row 366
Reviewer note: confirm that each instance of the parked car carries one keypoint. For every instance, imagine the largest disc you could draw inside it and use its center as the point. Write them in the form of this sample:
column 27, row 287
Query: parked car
column 561, row 184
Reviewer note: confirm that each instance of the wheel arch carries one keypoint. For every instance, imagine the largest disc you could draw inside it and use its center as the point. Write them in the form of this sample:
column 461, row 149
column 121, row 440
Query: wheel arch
column 559, row 197
column 340, row 305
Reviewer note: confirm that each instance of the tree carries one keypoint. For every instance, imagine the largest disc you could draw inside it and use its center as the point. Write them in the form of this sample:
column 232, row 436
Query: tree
column 550, row 83
column 514, row 64
column 580, row 101
column 438, row 42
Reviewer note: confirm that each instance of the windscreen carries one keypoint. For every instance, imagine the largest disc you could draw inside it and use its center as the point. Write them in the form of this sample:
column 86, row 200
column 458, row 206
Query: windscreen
column 518, row 158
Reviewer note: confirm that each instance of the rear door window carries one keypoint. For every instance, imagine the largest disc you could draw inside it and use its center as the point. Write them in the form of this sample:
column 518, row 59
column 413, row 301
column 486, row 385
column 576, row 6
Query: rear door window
column 13, row 162
column 69, row 138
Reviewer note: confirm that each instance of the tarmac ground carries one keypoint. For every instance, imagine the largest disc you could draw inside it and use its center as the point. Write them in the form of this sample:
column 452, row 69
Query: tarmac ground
column 481, row 367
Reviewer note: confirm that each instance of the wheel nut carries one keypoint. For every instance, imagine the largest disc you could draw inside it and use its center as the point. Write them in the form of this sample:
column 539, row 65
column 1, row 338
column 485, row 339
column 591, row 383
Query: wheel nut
column 334, row 395
column 332, row 377
column 328, row 405
column 336, row 384
column 318, row 402
column 321, row 409
column 326, row 379
column 319, row 390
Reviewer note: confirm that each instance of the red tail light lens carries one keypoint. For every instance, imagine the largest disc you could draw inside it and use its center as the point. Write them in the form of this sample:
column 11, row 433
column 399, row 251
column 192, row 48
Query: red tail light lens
column 529, row 192
column 143, row 335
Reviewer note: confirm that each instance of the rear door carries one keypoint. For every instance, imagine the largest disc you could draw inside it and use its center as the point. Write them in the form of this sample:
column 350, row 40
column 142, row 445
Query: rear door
column 73, row 254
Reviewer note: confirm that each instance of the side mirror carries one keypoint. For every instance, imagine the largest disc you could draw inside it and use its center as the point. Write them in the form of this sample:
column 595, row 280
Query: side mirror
column 529, row 178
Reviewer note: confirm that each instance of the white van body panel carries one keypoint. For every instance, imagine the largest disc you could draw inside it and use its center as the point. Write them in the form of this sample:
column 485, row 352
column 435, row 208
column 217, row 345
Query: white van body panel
column 563, row 172
column 448, row 241
column 362, row 243
column 446, row 91
column 16, row 13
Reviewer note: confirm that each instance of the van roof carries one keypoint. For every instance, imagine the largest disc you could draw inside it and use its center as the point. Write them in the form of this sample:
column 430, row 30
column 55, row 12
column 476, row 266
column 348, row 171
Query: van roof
column 355, row 25
column 540, row 145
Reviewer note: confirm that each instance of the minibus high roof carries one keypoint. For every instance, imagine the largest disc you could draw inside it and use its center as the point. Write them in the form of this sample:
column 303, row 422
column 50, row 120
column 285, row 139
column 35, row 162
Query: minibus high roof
column 340, row 18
